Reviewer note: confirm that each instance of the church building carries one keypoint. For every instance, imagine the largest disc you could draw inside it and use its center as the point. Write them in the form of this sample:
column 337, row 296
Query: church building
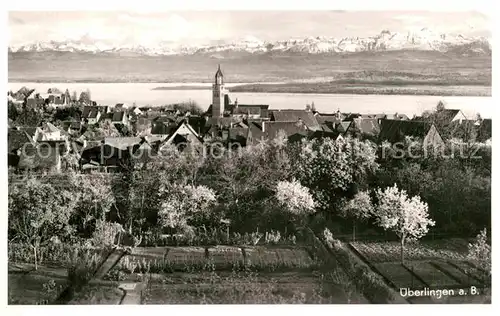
column 223, row 107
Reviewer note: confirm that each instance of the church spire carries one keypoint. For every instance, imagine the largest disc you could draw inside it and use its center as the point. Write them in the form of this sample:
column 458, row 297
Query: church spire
column 219, row 77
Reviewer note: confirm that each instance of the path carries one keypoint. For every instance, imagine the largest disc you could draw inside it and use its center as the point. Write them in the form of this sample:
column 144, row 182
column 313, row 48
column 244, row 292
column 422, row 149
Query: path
column 113, row 258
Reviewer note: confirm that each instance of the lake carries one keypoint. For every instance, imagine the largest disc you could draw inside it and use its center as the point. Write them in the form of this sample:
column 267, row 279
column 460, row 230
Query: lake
column 143, row 94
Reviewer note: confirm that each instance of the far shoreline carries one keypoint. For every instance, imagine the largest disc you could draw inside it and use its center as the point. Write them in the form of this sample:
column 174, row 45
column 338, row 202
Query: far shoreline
column 464, row 89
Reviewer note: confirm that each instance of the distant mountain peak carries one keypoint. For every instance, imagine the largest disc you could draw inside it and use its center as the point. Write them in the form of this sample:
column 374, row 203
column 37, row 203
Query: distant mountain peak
column 422, row 39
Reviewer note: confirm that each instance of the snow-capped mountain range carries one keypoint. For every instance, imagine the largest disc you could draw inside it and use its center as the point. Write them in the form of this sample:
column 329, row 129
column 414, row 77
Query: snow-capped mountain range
column 423, row 39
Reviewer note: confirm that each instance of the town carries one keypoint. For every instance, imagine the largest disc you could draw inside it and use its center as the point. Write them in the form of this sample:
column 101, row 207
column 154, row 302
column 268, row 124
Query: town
column 185, row 203
column 83, row 130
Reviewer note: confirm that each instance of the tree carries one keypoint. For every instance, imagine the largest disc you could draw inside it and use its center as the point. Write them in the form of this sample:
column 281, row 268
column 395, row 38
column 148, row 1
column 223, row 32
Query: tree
column 440, row 106
column 331, row 168
column 39, row 211
column 313, row 107
column 407, row 217
column 183, row 204
column 12, row 111
column 107, row 129
column 358, row 208
column 85, row 98
column 89, row 94
column 296, row 199
column 67, row 96
column 96, row 199
column 245, row 180
column 480, row 252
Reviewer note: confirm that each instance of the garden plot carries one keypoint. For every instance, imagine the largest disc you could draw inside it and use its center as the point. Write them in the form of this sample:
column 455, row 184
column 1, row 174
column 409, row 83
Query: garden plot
column 260, row 256
column 186, row 256
column 245, row 288
column 297, row 257
column 432, row 276
column 150, row 252
column 225, row 256
column 34, row 287
column 455, row 273
column 473, row 272
column 399, row 275
column 277, row 257
column 98, row 294
column 378, row 252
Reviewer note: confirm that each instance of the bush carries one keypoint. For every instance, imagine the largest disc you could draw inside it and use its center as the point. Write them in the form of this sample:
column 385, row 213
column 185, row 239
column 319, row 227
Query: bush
column 105, row 233
column 59, row 254
column 81, row 268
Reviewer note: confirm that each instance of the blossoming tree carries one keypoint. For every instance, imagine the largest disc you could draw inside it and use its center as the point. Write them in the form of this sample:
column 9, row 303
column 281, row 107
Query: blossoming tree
column 407, row 216
column 296, row 199
column 360, row 207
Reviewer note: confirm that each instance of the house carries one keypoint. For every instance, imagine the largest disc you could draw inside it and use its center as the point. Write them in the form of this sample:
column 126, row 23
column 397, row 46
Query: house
column 72, row 127
column 164, row 125
column 137, row 111
column 238, row 135
column 248, row 111
column 15, row 100
column 48, row 132
column 91, row 114
column 54, row 98
column 121, row 107
column 395, row 131
column 215, row 125
column 269, row 130
column 42, row 156
column 343, row 126
column 120, row 118
column 364, row 127
column 34, row 100
column 447, row 116
column 184, row 137
column 330, row 116
column 16, row 139
column 142, row 125
column 110, row 154
column 306, row 117
column 395, row 116
column 21, row 95
column 116, row 118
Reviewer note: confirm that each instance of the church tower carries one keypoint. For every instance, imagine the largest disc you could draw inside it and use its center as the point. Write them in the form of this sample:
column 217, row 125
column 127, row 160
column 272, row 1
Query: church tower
column 218, row 94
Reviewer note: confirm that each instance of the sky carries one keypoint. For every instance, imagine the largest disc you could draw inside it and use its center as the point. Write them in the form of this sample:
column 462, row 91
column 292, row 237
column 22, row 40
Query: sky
column 203, row 27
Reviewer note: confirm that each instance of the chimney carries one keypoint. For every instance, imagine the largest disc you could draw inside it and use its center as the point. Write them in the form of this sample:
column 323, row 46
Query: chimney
column 236, row 103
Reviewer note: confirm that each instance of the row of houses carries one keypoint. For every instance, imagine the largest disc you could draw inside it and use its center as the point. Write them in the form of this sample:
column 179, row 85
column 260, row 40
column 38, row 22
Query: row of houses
column 225, row 121
column 34, row 98
column 34, row 148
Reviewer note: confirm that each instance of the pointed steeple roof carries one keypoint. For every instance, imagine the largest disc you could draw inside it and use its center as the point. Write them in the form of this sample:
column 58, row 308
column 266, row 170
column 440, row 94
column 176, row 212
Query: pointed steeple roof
column 218, row 73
